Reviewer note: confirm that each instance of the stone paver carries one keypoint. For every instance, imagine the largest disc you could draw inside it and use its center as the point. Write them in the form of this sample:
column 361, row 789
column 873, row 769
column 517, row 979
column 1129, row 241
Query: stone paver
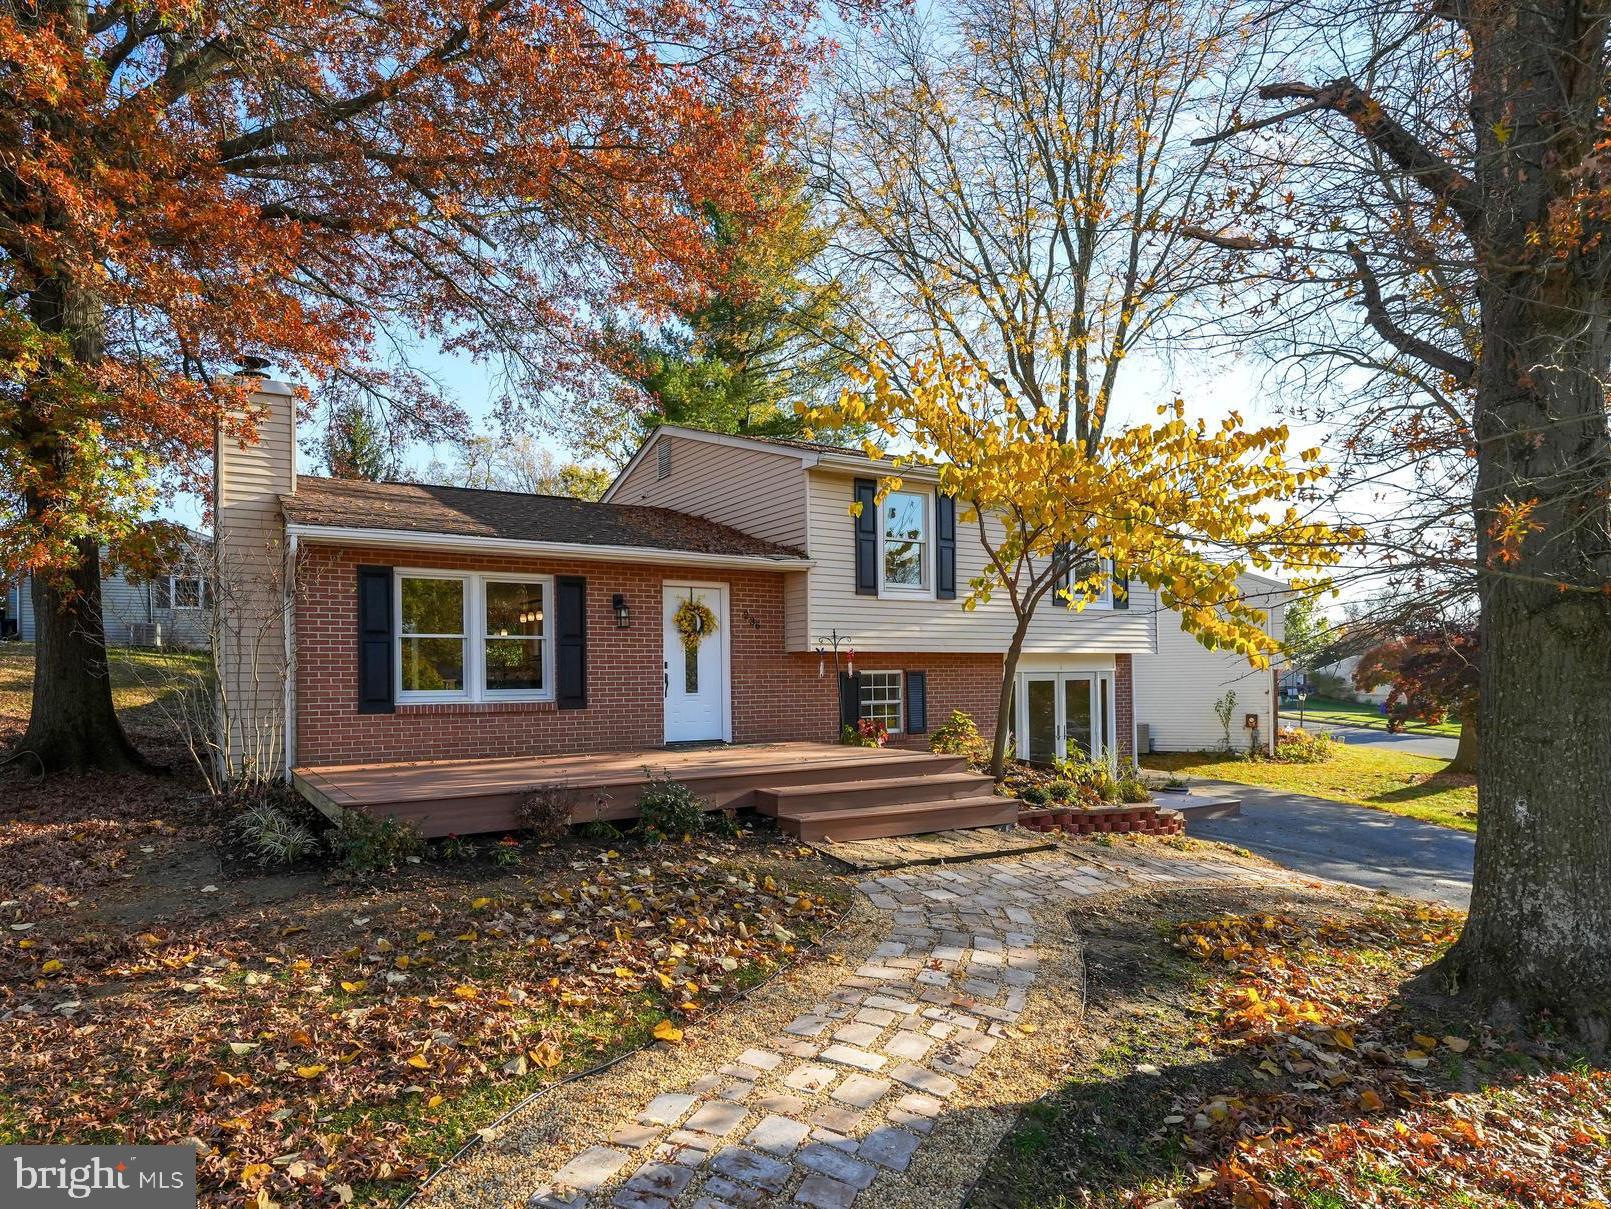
column 853, row 1085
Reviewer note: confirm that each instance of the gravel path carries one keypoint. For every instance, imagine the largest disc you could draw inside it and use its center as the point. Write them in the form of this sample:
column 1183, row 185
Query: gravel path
column 886, row 1090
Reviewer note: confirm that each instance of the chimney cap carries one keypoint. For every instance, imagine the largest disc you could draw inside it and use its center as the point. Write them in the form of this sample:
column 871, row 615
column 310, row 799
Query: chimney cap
column 254, row 367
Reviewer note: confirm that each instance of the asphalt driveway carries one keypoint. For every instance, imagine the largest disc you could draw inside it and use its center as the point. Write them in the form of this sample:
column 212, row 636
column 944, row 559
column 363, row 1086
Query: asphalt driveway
column 1353, row 844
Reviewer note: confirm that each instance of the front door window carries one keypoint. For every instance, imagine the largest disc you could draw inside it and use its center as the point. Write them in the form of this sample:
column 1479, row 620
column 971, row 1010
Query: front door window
column 1077, row 736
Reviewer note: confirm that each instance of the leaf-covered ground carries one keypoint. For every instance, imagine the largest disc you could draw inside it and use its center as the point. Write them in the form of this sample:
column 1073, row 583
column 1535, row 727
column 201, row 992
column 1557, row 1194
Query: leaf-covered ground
column 1417, row 787
column 1267, row 1052
column 329, row 1041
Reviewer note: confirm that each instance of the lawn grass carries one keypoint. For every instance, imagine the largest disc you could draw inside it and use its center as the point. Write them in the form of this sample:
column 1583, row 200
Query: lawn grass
column 1326, row 710
column 1418, row 787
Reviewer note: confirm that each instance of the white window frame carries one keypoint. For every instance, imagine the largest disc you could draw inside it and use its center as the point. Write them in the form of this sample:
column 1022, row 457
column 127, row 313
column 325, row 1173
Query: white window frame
column 474, row 626
column 1104, row 601
column 173, row 594
column 899, row 699
column 924, row 590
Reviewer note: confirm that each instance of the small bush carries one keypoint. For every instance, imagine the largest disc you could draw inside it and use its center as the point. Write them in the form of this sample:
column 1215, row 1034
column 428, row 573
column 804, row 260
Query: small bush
column 456, row 848
column 959, row 736
column 1295, row 746
column 544, row 812
column 368, row 845
column 599, row 830
column 1094, row 778
column 1131, row 789
column 506, row 852
column 869, row 732
column 270, row 836
column 1060, row 791
column 670, row 810
column 1034, row 795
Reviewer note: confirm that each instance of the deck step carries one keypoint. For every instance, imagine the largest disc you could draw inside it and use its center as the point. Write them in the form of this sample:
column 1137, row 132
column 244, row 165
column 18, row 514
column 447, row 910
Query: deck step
column 899, row 818
column 934, row 787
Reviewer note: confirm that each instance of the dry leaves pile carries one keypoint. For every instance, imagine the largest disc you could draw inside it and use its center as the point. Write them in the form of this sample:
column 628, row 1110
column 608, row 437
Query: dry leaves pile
column 272, row 1045
column 1367, row 1105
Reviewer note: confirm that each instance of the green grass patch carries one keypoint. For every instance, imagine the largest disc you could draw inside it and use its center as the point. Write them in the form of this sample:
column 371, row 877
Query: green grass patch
column 1417, row 787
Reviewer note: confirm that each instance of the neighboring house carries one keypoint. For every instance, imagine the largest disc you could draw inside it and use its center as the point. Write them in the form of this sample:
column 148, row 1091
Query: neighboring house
column 175, row 609
column 439, row 623
column 1178, row 686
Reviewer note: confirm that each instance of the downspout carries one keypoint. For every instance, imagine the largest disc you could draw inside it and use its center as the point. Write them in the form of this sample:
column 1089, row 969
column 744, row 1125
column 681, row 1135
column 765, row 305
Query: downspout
column 289, row 604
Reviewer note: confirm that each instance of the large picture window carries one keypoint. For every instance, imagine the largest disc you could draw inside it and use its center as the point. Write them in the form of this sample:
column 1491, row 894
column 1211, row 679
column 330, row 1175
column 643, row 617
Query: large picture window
column 881, row 698
column 906, row 537
column 467, row 637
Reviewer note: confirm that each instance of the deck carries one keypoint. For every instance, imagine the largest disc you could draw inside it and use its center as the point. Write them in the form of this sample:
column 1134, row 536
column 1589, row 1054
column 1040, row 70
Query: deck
column 466, row 797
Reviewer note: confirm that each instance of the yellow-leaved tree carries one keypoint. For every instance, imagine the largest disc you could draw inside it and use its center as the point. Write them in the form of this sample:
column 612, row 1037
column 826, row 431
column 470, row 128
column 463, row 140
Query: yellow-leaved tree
column 1182, row 506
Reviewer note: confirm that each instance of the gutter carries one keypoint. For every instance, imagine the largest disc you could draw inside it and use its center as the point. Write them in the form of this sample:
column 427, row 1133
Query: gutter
column 405, row 539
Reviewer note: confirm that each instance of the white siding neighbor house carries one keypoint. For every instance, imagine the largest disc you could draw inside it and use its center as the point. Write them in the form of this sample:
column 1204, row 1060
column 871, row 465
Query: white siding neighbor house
column 1177, row 687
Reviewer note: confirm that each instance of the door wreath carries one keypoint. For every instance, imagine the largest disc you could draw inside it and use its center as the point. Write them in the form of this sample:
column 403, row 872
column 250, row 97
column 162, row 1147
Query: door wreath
column 695, row 622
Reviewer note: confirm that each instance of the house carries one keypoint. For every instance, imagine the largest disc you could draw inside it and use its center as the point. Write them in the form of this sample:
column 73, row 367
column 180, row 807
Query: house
column 1178, row 686
column 171, row 610
column 492, row 634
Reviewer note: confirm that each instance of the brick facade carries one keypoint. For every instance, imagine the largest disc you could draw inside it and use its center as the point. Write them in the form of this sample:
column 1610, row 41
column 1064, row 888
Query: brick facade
column 775, row 695
column 1124, row 707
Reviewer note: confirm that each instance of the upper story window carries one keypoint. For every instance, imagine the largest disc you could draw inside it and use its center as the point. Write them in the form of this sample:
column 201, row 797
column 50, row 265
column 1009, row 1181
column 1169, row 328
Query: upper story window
column 1085, row 566
column 906, row 541
column 464, row 637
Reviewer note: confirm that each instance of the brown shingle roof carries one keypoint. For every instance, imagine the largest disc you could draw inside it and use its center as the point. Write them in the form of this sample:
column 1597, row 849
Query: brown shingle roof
column 518, row 516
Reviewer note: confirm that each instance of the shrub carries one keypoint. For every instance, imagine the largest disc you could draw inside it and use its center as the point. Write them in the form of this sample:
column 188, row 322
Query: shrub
column 1225, row 710
column 269, row 834
column 506, row 851
column 368, row 845
column 1034, row 795
column 1131, row 789
column 456, row 848
column 1294, row 746
column 1094, row 777
column 869, row 732
column 545, row 811
column 1060, row 791
column 670, row 809
column 959, row 736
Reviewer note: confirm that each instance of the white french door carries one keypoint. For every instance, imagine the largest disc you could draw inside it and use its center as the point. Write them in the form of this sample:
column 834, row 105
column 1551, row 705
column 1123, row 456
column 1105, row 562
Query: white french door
column 1062, row 714
column 696, row 682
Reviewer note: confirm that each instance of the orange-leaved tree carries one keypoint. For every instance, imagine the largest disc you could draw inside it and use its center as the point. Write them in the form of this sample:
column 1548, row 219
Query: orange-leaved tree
column 183, row 185
column 1179, row 505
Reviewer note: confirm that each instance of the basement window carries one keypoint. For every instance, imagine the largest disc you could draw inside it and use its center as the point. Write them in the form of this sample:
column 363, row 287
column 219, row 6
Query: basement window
column 881, row 698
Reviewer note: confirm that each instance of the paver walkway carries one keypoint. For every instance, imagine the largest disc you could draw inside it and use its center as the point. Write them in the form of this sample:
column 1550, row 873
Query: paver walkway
column 852, row 1086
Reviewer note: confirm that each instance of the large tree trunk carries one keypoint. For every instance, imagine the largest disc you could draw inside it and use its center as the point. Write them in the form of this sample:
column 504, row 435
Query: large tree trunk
column 73, row 725
column 1539, row 932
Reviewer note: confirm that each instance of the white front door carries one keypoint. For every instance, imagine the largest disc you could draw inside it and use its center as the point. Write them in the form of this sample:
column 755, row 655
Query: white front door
column 695, row 680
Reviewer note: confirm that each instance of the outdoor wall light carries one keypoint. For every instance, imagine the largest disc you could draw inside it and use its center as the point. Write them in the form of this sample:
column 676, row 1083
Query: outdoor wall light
column 623, row 616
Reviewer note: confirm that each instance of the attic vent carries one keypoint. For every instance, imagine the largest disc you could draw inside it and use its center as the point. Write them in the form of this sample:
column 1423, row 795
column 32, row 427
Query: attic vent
column 663, row 463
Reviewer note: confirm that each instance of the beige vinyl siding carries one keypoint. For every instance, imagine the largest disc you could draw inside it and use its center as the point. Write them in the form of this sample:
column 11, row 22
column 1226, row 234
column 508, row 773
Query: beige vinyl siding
column 1176, row 688
column 756, row 491
column 252, row 561
column 797, row 634
column 885, row 623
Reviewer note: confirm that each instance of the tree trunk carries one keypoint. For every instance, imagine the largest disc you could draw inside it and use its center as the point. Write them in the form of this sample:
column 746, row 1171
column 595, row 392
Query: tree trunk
column 73, row 725
column 1009, row 673
column 1465, row 755
column 1539, row 933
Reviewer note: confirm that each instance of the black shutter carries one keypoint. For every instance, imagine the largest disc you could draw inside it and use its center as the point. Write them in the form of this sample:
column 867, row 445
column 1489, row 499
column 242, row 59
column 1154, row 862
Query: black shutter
column 376, row 677
column 570, row 642
column 945, row 547
column 1062, row 570
column 867, row 538
column 1121, row 589
column 849, row 699
column 917, row 703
